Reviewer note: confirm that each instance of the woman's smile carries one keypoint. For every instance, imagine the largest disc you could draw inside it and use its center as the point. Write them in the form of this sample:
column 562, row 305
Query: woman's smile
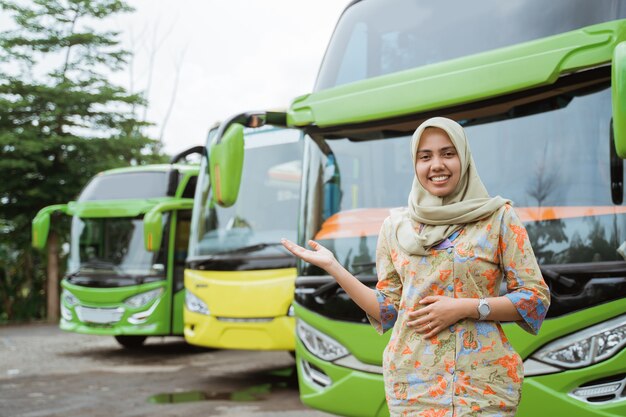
column 440, row 179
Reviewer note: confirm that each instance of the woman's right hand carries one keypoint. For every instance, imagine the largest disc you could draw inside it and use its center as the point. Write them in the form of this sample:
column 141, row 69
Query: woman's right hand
column 364, row 296
column 319, row 256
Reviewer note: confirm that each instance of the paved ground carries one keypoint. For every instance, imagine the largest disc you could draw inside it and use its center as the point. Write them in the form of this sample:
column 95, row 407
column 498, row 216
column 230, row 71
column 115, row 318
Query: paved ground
column 46, row 372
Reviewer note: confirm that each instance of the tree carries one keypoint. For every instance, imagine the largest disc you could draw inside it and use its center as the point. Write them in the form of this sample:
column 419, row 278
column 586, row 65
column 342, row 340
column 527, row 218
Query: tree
column 61, row 122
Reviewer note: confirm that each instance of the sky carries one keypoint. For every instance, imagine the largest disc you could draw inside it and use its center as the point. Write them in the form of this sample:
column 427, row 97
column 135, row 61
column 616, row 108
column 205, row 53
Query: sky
column 229, row 57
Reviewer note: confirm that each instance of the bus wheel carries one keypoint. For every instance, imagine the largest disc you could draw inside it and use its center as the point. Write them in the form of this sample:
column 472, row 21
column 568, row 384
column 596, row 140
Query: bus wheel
column 130, row 342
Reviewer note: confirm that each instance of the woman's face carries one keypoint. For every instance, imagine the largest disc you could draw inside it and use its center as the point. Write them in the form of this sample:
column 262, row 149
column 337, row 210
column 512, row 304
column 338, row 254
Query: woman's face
column 437, row 165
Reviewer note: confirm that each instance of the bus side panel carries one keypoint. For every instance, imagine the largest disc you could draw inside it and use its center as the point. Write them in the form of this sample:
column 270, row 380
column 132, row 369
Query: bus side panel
column 177, row 313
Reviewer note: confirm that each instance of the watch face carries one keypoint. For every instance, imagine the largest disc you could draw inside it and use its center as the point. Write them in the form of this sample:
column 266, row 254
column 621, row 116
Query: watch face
column 484, row 309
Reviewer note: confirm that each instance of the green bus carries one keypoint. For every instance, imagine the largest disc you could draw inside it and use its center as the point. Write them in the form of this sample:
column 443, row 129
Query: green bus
column 129, row 236
column 539, row 87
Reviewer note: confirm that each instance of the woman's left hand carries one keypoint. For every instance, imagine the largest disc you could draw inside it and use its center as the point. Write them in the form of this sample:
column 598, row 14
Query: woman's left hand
column 440, row 313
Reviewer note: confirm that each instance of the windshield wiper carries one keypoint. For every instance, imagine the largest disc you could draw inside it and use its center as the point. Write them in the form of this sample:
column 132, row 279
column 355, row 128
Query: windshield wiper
column 334, row 284
column 253, row 248
column 555, row 276
column 99, row 265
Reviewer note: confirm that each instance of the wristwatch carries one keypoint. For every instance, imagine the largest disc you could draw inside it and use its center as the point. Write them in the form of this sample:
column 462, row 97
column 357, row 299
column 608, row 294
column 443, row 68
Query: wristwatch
column 483, row 309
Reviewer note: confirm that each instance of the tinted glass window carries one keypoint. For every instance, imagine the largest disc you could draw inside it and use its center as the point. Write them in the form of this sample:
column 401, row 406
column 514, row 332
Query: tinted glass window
column 555, row 168
column 128, row 185
column 349, row 192
column 377, row 37
column 114, row 247
column 267, row 204
column 553, row 165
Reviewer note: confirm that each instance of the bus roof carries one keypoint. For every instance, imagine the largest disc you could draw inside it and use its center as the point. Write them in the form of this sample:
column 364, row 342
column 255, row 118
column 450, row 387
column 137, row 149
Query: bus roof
column 182, row 168
column 464, row 80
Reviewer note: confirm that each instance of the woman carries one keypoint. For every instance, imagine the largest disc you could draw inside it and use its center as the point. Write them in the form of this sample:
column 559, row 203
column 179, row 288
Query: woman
column 440, row 263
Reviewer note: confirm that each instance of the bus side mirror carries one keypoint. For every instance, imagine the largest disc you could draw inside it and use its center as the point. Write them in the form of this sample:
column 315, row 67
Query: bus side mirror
column 40, row 229
column 41, row 225
column 152, row 230
column 153, row 221
column 226, row 165
column 618, row 95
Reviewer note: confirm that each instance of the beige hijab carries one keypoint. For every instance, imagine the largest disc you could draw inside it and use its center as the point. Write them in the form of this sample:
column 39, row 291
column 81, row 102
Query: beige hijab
column 442, row 216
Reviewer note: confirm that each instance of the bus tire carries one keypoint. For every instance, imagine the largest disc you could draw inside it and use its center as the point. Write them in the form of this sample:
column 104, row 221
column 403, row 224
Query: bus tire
column 131, row 342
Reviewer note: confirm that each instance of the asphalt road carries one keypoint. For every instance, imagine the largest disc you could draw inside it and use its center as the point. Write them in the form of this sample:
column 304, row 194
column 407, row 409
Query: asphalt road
column 47, row 372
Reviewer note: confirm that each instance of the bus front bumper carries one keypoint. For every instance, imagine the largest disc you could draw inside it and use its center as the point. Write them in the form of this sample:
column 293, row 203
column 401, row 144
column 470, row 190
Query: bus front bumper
column 276, row 333
column 118, row 329
column 337, row 389
column 104, row 311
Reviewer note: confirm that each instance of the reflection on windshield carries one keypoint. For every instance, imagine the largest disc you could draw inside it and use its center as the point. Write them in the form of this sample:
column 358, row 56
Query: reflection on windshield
column 267, row 205
column 378, row 37
column 113, row 246
column 562, row 178
column 349, row 192
column 357, row 254
column 554, row 166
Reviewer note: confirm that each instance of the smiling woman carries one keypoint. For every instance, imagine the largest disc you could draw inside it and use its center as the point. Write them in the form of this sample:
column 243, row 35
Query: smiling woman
column 440, row 263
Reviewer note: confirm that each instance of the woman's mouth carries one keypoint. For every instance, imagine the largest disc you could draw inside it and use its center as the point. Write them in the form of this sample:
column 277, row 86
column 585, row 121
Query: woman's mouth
column 440, row 179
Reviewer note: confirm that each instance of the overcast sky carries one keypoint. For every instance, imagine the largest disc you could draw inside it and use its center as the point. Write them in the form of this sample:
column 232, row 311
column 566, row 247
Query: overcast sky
column 234, row 56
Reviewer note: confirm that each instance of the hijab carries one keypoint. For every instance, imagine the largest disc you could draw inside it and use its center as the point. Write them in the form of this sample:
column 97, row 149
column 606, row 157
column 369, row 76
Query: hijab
column 442, row 216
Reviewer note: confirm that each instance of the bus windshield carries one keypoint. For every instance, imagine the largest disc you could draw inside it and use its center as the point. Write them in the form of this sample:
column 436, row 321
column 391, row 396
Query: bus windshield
column 377, row 37
column 112, row 247
column 125, row 185
column 267, row 205
column 554, row 166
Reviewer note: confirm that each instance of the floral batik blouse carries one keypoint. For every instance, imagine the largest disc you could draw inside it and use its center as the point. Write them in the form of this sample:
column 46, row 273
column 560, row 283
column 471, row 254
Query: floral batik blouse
column 469, row 369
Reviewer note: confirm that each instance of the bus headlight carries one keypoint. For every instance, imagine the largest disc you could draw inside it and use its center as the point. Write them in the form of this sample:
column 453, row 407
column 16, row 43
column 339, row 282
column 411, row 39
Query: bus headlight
column 144, row 298
column 69, row 298
column 322, row 346
column 195, row 304
column 142, row 316
column 586, row 347
column 66, row 313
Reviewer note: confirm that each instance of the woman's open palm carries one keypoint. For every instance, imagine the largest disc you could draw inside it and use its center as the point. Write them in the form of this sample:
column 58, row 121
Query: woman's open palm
column 319, row 256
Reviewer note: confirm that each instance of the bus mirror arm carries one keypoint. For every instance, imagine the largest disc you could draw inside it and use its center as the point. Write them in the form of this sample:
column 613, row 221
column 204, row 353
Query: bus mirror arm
column 41, row 224
column 200, row 150
column 174, row 175
column 248, row 119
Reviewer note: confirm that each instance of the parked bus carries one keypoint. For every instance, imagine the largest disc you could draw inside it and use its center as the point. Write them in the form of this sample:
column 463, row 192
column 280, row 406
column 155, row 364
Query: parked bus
column 239, row 279
column 540, row 89
column 127, row 251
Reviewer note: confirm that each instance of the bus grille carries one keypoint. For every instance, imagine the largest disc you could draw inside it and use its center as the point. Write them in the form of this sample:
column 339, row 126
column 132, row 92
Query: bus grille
column 99, row 315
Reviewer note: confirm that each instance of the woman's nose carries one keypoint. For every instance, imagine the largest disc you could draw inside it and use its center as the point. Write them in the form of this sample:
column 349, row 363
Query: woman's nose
column 438, row 163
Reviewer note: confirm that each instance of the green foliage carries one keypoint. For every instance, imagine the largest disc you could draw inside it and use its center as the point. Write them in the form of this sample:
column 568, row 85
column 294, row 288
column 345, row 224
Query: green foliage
column 61, row 122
